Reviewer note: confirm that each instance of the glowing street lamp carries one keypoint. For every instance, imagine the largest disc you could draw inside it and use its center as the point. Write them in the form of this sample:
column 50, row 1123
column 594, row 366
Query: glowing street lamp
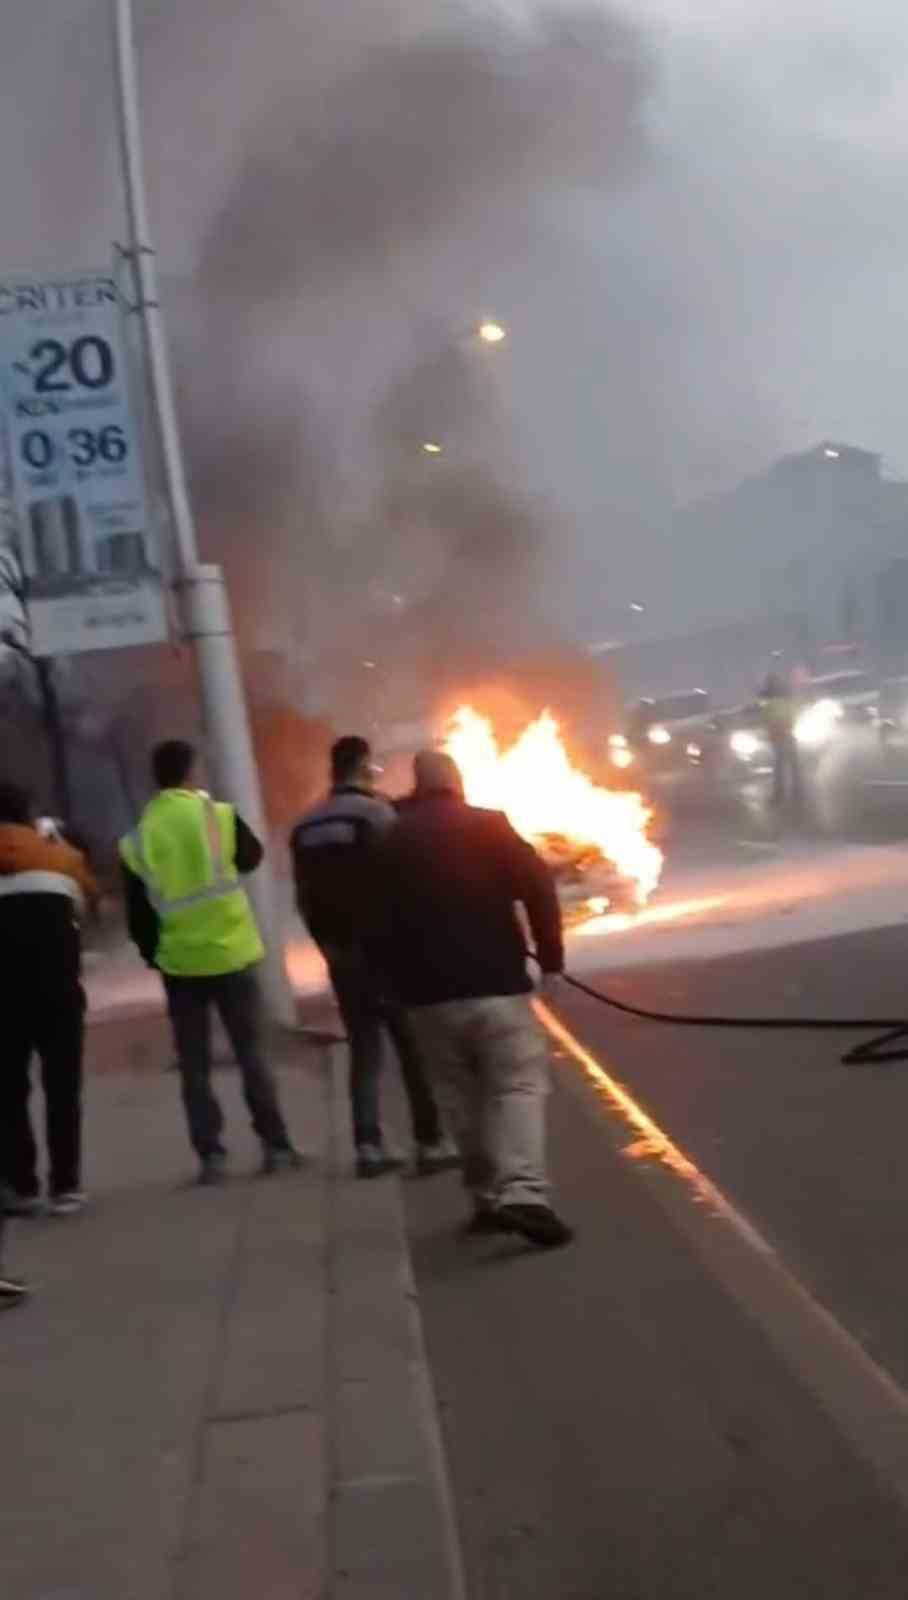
column 492, row 333
column 431, row 448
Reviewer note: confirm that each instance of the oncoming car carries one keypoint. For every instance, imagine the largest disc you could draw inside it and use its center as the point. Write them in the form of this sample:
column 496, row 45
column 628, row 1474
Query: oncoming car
column 733, row 748
column 658, row 733
column 833, row 704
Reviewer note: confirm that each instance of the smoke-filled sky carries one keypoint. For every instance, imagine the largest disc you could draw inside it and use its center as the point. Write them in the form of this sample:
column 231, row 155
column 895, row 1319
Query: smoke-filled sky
column 690, row 216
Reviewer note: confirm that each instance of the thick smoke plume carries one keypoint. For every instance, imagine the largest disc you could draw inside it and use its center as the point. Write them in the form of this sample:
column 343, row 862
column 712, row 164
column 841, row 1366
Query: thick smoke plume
column 441, row 134
column 370, row 209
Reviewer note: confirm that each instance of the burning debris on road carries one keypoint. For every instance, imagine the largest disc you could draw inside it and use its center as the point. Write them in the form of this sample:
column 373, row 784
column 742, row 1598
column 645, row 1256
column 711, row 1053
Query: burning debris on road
column 597, row 841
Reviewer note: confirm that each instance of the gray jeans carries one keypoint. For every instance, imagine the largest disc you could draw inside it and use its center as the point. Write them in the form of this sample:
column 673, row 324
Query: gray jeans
column 489, row 1061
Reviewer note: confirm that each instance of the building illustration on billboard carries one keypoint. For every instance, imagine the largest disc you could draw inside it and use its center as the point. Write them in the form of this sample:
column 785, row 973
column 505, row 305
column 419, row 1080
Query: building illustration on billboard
column 61, row 554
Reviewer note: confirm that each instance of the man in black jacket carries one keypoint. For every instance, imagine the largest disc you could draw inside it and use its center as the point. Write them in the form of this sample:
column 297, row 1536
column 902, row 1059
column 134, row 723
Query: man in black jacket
column 451, row 877
column 332, row 852
column 45, row 888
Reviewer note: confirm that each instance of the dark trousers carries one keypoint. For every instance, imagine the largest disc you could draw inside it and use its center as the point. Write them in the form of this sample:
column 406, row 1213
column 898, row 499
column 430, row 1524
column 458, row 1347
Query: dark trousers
column 236, row 998
column 366, row 1013
column 787, row 779
column 51, row 1027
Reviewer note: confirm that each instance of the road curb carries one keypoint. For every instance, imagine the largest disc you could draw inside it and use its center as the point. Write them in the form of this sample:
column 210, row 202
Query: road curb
column 392, row 1529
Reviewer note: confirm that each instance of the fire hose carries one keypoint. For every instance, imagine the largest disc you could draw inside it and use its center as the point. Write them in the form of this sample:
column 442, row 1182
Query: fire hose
column 874, row 1052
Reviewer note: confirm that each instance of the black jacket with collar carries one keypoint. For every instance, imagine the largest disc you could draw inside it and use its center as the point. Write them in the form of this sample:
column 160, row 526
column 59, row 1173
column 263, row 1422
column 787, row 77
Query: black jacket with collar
column 450, row 877
column 332, row 849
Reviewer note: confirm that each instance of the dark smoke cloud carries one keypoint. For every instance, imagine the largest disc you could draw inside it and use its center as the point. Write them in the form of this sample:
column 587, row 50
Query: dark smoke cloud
column 421, row 136
column 693, row 226
column 423, row 164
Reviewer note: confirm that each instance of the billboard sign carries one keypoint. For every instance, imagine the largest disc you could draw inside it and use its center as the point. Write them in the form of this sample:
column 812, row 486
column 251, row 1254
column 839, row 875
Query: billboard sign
column 87, row 547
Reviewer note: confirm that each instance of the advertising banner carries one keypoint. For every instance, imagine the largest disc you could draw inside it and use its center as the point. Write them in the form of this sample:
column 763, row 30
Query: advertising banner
column 89, row 553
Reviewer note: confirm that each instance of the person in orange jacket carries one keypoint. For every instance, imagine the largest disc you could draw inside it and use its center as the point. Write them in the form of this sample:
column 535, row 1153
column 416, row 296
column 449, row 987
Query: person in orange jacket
column 45, row 889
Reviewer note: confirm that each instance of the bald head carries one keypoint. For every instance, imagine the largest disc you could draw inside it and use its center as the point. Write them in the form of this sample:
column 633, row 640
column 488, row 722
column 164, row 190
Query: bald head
column 434, row 772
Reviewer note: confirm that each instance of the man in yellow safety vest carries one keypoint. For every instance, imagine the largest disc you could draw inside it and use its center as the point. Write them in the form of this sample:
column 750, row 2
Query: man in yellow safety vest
column 190, row 917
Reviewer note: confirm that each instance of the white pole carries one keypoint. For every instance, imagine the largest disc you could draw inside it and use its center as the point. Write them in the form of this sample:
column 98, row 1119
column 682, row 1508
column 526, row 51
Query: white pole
column 205, row 605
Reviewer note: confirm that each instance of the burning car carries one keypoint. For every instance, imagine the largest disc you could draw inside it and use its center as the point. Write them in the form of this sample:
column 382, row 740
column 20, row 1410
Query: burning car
column 597, row 841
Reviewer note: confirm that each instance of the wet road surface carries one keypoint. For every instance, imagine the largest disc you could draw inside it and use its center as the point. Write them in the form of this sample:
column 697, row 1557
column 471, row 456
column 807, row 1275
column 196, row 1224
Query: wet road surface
column 623, row 1418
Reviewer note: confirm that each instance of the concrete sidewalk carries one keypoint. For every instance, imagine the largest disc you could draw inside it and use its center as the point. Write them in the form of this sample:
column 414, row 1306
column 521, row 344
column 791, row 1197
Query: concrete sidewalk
column 219, row 1394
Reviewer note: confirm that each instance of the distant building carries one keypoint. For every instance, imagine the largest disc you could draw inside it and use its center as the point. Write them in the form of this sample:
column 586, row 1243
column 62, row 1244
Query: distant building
column 811, row 536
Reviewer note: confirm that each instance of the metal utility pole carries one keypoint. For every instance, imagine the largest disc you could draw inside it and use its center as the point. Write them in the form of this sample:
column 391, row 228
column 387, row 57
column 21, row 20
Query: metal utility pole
column 55, row 734
column 205, row 607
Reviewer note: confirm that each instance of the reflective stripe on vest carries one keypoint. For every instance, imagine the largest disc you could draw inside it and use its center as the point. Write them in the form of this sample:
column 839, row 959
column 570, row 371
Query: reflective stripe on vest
column 41, row 883
column 218, row 889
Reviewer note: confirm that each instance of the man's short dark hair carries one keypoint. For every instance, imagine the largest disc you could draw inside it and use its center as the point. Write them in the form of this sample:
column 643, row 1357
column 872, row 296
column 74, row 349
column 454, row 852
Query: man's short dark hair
column 347, row 756
column 171, row 763
column 15, row 803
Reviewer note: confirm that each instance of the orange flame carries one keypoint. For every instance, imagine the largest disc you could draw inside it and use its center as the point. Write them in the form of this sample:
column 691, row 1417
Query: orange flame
column 534, row 783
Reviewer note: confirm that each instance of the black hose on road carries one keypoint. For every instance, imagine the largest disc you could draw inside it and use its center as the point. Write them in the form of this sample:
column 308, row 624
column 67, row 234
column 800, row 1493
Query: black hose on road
column 874, row 1052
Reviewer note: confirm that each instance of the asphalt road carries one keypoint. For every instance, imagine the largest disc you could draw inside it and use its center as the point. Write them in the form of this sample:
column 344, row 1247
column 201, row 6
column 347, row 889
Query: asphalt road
column 812, row 1151
column 620, row 1419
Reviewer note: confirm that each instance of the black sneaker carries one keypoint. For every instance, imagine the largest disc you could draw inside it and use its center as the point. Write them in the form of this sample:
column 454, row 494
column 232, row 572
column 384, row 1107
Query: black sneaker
column 12, row 1292
column 280, row 1158
column 20, row 1205
column 374, row 1162
column 483, row 1221
column 213, row 1169
column 539, row 1225
column 67, row 1204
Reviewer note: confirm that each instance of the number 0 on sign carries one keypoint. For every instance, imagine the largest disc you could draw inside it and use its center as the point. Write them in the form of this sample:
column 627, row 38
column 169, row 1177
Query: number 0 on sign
column 75, row 466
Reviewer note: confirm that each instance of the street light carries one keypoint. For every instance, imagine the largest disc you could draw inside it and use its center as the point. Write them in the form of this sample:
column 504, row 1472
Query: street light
column 431, row 448
column 492, row 333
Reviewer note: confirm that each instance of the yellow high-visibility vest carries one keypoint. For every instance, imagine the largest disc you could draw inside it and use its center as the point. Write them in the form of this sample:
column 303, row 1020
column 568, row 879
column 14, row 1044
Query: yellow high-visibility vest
column 184, row 850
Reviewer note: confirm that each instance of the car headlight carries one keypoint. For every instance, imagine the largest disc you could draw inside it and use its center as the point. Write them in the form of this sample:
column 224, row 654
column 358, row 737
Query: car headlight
column 695, row 751
column 743, row 744
column 817, row 724
column 621, row 756
column 659, row 735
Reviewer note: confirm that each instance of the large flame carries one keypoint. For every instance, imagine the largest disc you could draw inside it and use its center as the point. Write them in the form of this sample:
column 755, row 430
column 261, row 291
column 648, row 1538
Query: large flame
column 543, row 795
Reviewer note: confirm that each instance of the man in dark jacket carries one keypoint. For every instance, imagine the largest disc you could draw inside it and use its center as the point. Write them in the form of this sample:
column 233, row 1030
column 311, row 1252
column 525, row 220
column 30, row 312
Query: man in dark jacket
column 45, row 887
column 451, row 877
column 332, row 852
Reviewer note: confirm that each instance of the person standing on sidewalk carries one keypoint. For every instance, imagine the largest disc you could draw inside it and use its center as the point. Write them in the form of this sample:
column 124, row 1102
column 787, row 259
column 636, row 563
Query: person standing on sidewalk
column 45, row 887
column 332, row 852
column 450, row 877
column 190, row 917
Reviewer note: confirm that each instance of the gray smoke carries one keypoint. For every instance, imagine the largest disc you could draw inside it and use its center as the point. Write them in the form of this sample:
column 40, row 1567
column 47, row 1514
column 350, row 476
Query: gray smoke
column 449, row 133
column 423, row 164
column 692, row 223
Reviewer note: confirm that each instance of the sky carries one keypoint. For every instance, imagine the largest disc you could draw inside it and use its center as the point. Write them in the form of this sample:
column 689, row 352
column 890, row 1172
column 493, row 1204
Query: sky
column 690, row 217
